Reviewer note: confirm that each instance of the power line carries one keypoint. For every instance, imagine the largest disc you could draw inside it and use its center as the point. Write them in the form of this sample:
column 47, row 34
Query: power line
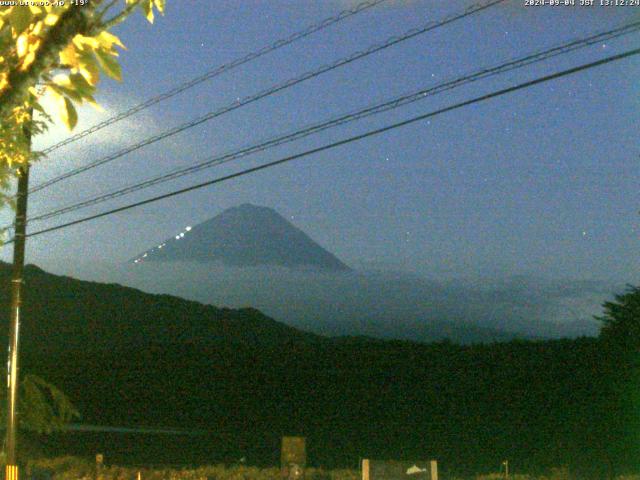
column 403, row 100
column 327, row 22
column 345, row 141
column 475, row 8
column 509, row 65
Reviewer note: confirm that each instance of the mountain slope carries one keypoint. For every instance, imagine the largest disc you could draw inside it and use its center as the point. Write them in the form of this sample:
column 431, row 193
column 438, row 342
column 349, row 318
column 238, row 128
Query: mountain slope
column 128, row 358
column 246, row 235
column 62, row 312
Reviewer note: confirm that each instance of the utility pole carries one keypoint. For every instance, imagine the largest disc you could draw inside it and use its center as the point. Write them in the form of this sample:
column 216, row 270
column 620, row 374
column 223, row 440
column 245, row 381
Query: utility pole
column 11, row 472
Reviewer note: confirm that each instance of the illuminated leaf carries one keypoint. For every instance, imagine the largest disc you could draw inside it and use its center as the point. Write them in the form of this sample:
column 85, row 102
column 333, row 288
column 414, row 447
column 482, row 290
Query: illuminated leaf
column 22, row 45
column 107, row 40
column 64, row 88
column 147, row 8
column 84, row 88
column 69, row 56
column 82, row 42
column 110, row 65
column 51, row 19
column 69, row 114
column 70, row 79
column 88, row 68
column 160, row 4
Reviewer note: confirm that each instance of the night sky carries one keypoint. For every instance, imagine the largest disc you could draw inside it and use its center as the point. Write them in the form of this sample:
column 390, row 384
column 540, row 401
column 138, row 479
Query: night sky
column 541, row 182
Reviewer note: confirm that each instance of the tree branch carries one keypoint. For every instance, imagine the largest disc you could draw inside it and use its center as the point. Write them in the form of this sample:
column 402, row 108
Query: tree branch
column 119, row 18
column 107, row 7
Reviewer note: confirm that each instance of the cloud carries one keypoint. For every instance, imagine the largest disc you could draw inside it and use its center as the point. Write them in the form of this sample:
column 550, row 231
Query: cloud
column 117, row 134
column 384, row 304
column 93, row 147
column 108, row 140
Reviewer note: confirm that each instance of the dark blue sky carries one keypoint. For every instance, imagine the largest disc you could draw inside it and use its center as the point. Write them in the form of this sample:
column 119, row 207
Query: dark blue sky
column 543, row 181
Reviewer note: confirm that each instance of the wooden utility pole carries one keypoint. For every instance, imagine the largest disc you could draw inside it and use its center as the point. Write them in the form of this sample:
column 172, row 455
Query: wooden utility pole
column 11, row 472
column 434, row 470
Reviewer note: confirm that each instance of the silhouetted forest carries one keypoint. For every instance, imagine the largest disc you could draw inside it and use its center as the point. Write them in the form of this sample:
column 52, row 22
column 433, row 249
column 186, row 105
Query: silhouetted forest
column 241, row 380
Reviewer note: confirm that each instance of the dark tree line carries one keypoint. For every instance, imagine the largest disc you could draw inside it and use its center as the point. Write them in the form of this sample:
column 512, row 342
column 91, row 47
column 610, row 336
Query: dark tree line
column 540, row 404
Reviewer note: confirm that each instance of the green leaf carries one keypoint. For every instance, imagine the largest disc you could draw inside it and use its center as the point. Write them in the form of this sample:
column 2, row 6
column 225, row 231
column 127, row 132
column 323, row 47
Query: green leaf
column 66, row 91
column 69, row 114
column 84, row 88
column 43, row 407
column 88, row 68
column 20, row 18
column 109, row 64
column 147, row 8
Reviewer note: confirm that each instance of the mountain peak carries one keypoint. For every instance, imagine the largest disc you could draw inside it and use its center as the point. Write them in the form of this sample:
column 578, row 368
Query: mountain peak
column 250, row 208
column 244, row 235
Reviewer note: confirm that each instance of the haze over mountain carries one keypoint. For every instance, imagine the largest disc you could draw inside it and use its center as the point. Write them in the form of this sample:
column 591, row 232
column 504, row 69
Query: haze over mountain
column 386, row 304
column 246, row 235
column 250, row 256
column 85, row 313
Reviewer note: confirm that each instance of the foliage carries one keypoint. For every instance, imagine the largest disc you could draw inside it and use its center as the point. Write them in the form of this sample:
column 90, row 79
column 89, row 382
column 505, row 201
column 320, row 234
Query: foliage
column 555, row 473
column 621, row 321
column 73, row 468
column 620, row 342
column 43, row 408
column 57, row 50
column 131, row 358
column 559, row 473
column 63, row 467
column 500, row 476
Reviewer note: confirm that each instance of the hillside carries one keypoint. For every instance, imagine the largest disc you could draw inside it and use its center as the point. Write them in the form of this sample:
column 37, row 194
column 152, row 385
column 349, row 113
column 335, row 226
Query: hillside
column 128, row 358
column 538, row 404
column 73, row 313
column 61, row 312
